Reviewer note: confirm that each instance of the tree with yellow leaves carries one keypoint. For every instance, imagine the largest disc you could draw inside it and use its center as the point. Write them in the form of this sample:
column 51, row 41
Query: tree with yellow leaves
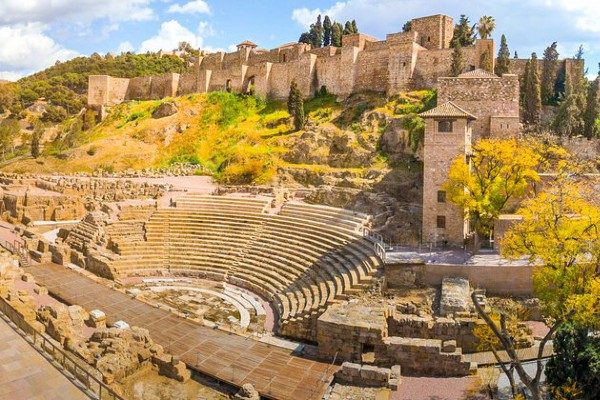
column 560, row 231
column 497, row 172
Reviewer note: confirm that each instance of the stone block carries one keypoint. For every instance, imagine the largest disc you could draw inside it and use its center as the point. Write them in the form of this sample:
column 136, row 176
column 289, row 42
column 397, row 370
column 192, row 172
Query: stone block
column 27, row 277
column 449, row 346
column 41, row 290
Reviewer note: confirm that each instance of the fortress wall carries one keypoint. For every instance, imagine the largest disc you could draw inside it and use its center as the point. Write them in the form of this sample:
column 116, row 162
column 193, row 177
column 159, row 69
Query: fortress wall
column 302, row 71
column 433, row 64
column 324, row 52
column 328, row 73
column 261, row 74
column 503, row 127
column 212, row 62
column 117, row 90
column 98, row 90
column 372, row 69
column 163, row 86
column 233, row 60
column 218, row 80
column 139, row 88
column 435, row 32
column 357, row 40
column 483, row 97
column 257, row 58
column 188, row 83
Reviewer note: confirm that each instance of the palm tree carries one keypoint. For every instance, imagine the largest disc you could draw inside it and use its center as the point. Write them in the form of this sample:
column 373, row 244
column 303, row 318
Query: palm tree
column 486, row 26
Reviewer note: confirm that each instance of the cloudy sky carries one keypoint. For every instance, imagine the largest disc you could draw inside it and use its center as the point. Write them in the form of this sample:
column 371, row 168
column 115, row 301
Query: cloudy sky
column 34, row 34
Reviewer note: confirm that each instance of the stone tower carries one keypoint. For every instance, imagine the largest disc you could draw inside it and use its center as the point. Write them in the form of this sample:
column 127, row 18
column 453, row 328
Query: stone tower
column 447, row 136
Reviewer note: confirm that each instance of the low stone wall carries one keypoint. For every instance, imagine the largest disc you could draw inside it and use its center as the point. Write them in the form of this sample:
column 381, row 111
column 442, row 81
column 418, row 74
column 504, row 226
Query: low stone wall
column 369, row 375
column 496, row 279
column 422, row 356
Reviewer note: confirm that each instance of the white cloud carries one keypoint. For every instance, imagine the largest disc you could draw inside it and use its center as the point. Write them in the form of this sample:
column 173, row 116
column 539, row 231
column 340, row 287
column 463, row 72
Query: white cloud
column 193, row 7
column 586, row 13
column 23, row 11
column 169, row 36
column 125, row 47
column 26, row 48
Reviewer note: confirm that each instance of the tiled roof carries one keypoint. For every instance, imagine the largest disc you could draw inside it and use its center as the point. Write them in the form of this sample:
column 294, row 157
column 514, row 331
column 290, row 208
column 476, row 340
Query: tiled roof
column 447, row 110
column 478, row 73
column 247, row 43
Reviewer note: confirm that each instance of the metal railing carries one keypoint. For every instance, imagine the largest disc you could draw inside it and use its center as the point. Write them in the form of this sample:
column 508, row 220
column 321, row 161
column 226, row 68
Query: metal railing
column 56, row 353
column 18, row 249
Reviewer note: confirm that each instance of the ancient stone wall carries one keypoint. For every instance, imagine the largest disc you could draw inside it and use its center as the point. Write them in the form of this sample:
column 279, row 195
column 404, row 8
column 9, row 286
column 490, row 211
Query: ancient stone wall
column 484, row 97
column 496, row 279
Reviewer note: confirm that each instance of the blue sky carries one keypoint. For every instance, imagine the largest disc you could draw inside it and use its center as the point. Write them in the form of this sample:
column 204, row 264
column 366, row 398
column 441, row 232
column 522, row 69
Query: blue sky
column 36, row 33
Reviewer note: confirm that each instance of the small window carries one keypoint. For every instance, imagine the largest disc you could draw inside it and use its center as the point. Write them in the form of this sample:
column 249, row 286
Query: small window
column 445, row 126
column 429, row 38
column 441, row 196
column 284, row 57
column 441, row 221
column 404, row 64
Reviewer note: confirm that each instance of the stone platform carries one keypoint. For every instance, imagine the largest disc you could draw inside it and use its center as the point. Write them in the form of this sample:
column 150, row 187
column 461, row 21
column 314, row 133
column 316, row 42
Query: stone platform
column 275, row 372
column 26, row 374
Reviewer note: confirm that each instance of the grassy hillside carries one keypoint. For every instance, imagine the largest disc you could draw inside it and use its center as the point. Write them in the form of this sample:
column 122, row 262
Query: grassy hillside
column 238, row 139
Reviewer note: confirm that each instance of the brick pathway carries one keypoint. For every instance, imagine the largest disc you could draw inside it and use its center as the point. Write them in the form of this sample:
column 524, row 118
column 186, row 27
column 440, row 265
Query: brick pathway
column 26, row 375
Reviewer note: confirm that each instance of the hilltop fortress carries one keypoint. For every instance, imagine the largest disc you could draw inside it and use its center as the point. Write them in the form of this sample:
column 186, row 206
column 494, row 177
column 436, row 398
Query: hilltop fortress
column 406, row 60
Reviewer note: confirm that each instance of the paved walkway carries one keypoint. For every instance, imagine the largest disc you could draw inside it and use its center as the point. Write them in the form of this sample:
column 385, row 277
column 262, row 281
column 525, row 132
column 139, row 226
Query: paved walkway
column 26, row 375
column 275, row 372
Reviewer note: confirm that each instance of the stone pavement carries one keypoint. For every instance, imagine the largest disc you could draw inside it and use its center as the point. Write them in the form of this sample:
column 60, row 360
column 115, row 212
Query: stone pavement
column 26, row 375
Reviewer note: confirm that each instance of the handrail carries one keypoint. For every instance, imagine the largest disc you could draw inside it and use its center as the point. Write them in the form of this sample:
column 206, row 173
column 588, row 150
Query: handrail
column 81, row 374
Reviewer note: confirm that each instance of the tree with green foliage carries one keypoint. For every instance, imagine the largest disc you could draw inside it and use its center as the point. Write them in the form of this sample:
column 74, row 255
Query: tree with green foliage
column 549, row 75
column 7, row 96
column 569, row 120
column 486, row 26
column 503, row 60
column 573, row 372
column 463, row 33
column 305, row 38
column 592, row 109
column 532, row 99
column 579, row 54
column 407, row 27
column 54, row 114
column 327, row 26
column 559, row 233
column 354, row 26
column 316, row 33
column 516, row 55
column 485, row 61
column 348, row 30
column 336, row 34
column 457, row 65
column 9, row 130
column 498, row 172
column 295, row 106
column 38, row 131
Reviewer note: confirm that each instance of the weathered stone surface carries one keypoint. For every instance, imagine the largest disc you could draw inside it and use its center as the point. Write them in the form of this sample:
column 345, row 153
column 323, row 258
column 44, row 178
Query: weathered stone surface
column 247, row 392
column 166, row 109
column 455, row 296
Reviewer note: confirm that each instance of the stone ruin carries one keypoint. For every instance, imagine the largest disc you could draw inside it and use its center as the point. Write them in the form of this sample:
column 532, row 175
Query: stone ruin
column 403, row 334
column 115, row 353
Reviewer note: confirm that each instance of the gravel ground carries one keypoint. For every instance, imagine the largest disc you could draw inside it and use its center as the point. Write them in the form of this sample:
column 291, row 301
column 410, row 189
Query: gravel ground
column 427, row 388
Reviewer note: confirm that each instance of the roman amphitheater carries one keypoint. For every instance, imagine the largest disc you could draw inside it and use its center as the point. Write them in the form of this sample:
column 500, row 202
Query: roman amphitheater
column 259, row 288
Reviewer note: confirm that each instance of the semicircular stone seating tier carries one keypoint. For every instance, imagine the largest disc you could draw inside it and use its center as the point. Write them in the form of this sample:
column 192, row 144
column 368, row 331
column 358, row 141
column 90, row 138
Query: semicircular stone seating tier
column 301, row 259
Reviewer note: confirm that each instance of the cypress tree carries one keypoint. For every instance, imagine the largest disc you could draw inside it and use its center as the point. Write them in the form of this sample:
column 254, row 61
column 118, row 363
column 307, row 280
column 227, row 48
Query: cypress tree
column 569, row 119
column 35, row 140
column 503, row 60
column 326, row 31
column 532, row 99
column 516, row 55
column 296, row 106
column 354, row 27
column 316, row 33
column 579, row 54
column 485, row 61
column 458, row 63
column 463, row 32
column 549, row 75
column 336, row 34
column 348, row 28
column 592, row 110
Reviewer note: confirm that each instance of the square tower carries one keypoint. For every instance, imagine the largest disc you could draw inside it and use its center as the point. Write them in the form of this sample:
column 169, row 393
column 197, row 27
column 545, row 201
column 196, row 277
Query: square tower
column 434, row 32
column 447, row 136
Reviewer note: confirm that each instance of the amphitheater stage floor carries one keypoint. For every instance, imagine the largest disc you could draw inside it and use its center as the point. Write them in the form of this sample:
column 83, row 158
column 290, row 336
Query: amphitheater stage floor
column 275, row 372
